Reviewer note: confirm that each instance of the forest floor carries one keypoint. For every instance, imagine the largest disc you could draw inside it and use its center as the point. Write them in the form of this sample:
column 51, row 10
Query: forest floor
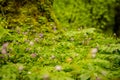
column 75, row 54
column 33, row 48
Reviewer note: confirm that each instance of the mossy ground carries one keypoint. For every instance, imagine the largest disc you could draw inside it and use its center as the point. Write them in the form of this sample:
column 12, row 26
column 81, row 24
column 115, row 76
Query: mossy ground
column 35, row 56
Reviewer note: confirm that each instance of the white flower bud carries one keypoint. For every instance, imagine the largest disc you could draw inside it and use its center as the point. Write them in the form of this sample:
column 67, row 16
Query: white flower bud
column 33, row 55
column 5, row 45
column 94, row 52
column 46, row 77
column 20, row 68
column 31, row 43
column 58, row 68
column 52, row 57
column 4, row 51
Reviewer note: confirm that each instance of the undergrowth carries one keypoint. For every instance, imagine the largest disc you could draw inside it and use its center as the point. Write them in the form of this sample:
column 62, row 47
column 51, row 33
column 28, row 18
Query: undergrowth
column 55, row 55
column 34, row 45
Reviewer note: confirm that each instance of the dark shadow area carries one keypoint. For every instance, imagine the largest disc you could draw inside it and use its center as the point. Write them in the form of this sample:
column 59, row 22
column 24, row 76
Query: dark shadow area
column 117, row 19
